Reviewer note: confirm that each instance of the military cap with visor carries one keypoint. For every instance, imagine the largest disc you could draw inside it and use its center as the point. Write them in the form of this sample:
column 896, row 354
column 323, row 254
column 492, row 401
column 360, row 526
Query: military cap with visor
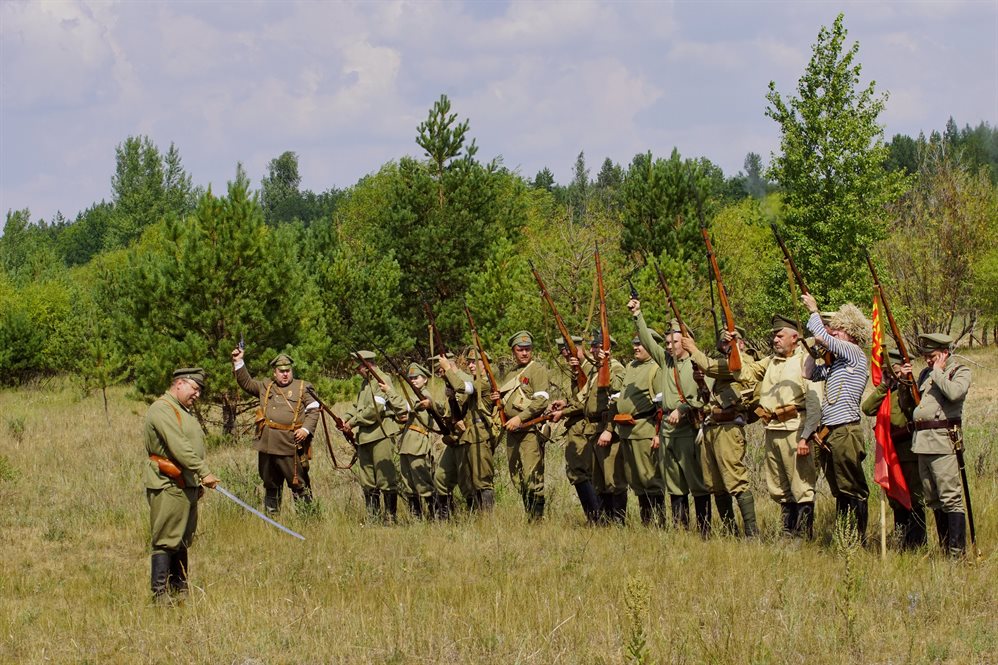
column 415, row 369
column 780, row 322
column 282, row 361
column 195, row 374
column 523, row 339
column 928, row 342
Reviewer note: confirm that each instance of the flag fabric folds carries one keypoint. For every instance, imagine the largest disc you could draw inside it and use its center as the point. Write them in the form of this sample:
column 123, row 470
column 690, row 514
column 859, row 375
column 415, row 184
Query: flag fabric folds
column 877, row 345
column 887, row 468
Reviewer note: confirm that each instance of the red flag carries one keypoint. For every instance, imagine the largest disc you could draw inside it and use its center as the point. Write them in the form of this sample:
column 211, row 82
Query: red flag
column 877, row 343
column 887, row 469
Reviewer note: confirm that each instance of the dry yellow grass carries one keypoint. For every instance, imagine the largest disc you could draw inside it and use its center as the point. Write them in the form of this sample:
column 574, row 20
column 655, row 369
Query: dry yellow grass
column 74, row 570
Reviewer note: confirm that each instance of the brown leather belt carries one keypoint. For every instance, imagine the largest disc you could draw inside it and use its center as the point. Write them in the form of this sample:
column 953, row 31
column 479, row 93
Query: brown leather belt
column 417, row 429
column 922, row 425
column 902, row 433
column 723, row 415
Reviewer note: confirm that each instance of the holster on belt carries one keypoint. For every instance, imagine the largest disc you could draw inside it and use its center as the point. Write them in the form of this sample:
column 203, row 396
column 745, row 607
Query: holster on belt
column 169, row 469
column 718, row 415
column 624, row 419
column 820, row 436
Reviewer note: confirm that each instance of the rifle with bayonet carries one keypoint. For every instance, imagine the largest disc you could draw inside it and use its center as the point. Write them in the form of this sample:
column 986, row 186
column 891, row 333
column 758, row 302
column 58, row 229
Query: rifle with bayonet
column 797, row 277
column 442, row 425
column 436, row 340
column 580, row 377
column 486, row 365
column 895, row 331
column 603, row 373
column 672, row 303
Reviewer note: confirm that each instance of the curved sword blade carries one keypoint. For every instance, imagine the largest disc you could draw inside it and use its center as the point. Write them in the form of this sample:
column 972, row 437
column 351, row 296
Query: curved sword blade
column 239, row 502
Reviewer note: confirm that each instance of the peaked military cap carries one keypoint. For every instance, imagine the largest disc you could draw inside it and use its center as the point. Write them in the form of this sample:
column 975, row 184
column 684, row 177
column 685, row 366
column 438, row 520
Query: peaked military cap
column 415, row 369
column 780, row 322
column 598, row 339
column 895, row 356
column 934, row 342
column 522, row 338
column 575, row 339
column 448, row 355
column 195, row 374
column 364, row 355
column 282, row 361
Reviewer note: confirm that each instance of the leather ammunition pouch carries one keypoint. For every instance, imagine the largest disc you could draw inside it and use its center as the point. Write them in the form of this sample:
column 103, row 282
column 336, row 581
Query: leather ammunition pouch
column 169, row 469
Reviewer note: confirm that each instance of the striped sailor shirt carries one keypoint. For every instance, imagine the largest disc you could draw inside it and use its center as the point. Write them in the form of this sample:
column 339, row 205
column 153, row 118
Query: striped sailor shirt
column 845, row 379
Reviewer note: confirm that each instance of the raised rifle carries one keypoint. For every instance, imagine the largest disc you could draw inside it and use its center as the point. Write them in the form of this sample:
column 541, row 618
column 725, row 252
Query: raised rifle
column 417, row 394
column 580, row 377
column 603, row 373
column 341, row 426
column 486, row 365
column 895, row 331
column 436, row 340
column 734, row 356
column 797, row 277
column 672, row 303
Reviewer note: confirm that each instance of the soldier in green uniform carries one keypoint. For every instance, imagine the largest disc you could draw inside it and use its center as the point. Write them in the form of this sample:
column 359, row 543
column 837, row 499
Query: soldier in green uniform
column 579, row 459
column 910, row 524
column 452, row 460
column 525, row 394
column 476, row 429
column 597, row 471
column 790, row 408
column 174, row 477
column 943, row 384
column 633, row 419
column 681, row 409
column 414, row 444
column 285, row 420
column 723, row 452
column 372, row 419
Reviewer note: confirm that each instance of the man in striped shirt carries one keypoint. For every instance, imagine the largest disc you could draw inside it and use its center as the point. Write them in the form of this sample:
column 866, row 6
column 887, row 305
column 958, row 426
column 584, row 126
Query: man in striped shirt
column 841, row 436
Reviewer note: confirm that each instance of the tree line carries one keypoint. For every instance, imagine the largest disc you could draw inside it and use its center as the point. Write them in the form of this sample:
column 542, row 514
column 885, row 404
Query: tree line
column 170, row 273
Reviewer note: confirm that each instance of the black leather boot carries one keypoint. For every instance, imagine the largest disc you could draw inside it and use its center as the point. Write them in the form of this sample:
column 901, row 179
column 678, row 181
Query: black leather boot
column 726, row 513
column 536, row 508
column 680, row 506
column 160, row 575
column 862, row 509
column 272, row 500
column 957, row 534
column 746, row 506
column 644, row 508
column 914, row 534
column 805, row 520
column 391, row 507
column 372, row 501
column 942, row 529
column 788, row 517
column 590, row 502
column 605, row 507
column 488, row 500
column 178, row 570
column 416, row 506
column 701, row 508
column 619, row 511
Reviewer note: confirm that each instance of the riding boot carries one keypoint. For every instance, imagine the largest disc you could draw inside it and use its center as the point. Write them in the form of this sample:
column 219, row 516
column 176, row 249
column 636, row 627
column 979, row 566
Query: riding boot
column 746, row 505
column 416, row 506
column 487, row 500
column 862, row 518
column 788, row 516
column 701, row 508
column 160, row 575
column 805, row 520
column 178, row 570
column 619, row 511
column 391, row 507
column 942, row 529
column 957, row 534
column 536, row 508
column 372, row 501
column 444, row 502
column 272, row 500
column 644, row 508
column 590, row 502
column 605, row 507
column 726, row 513
column 680, row 505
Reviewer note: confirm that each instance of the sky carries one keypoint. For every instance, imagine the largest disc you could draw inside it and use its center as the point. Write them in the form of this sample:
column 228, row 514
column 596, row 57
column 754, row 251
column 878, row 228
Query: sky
column 344, row 85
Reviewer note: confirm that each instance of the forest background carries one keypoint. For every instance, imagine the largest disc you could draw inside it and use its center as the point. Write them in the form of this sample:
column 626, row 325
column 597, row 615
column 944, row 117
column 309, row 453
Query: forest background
column 168, row 273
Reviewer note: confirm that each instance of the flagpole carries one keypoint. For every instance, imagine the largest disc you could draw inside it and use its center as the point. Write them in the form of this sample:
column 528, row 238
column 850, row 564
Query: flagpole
column 883, row 523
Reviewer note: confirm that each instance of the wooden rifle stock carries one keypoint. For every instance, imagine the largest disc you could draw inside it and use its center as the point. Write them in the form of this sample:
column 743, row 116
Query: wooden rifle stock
column 799, row 278
column 895, row 331
column 417, row 394
column 486, row 365
column 580, row 377
column 734, row 356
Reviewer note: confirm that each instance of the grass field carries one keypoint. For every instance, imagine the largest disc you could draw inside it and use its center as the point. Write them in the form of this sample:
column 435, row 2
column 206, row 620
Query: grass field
column 74, row 569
